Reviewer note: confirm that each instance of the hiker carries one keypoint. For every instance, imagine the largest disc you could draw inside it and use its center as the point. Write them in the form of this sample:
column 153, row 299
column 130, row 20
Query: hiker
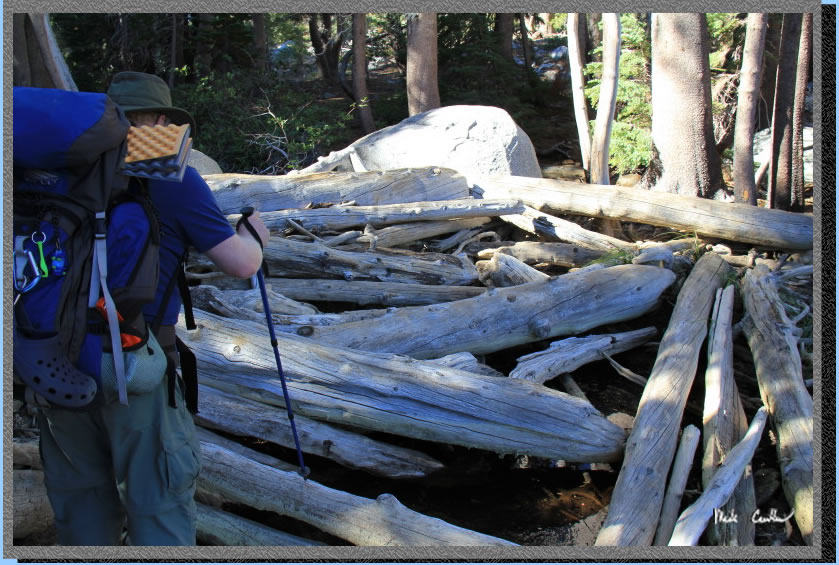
column 141, row 461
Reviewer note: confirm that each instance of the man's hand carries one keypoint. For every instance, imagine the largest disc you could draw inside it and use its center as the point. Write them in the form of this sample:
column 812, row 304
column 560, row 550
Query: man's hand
column 255, row 221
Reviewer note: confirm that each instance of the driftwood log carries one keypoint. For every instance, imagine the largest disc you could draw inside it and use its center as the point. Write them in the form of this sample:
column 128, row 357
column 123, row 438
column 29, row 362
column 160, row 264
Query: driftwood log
column 217, row 527
column 502, row 318
column 270, row 193
column 240, row 416
column 676, row 486
column 556, row 229
column 400, row 395
column 505, row 270
column 636, row 501
column 774, row 229
column 779, row 377
column 692, row 522
column 724, row 424
column 361, row 521
column 567, row 355
column 535, row 252
column 32, row 512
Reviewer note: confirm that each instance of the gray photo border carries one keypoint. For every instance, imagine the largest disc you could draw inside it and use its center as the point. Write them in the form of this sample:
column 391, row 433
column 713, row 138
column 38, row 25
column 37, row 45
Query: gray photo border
column 416, row 554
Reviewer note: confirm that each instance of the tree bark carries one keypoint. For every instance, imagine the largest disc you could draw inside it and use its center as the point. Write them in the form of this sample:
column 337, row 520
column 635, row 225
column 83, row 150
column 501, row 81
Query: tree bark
column 576, row 59
column 570, row 354
column 400, row 395
column 608, row 97
column 780, row 173
column 504, row 32
column 398, row 186
column 638, row 495
column 797, row 181
column 359, row 72
column 779, row 377
column 771, row 229
column 421, row 76
column 361, row 521
column 682, row 132
column 747, row 102
column 509, row 316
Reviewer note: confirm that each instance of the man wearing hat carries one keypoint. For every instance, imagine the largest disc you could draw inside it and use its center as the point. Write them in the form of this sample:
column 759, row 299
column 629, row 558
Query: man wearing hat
column 137, row 465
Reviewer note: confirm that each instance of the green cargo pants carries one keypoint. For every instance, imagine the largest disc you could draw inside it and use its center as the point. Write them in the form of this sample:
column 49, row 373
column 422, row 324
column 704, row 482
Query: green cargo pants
column 138, row 462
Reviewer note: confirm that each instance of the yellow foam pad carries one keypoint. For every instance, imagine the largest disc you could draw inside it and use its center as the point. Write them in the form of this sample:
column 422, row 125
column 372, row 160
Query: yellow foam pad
column 156, row 142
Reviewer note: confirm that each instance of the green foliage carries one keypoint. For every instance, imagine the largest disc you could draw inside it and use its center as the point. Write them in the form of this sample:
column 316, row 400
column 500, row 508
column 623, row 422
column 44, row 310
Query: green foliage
column 558, row 21
column 726, row 31
column 630, row 144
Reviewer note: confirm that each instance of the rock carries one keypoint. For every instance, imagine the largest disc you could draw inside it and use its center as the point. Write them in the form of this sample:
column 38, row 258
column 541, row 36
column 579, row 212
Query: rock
column 204, row 164
column 474, row 140
column 628, row 180
column 565, row 172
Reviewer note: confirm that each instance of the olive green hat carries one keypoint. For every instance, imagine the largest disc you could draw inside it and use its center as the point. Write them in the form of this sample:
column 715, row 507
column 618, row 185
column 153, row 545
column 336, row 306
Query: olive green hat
column 142, row 92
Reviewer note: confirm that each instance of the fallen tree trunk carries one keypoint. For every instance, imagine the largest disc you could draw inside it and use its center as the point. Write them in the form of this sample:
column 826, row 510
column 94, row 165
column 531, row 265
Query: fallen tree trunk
column 505, row 270
column 502, row 318
column 636, row 501
column 557, row 229
column 269, row 193
column 737, row 222
column 724, row 424
column 361, row 521
column 362, row 293
column 217, row 527
column 570, row 354
column 402, row 234
column 400, row 395
column 779, row 377
column 534, row 252
column 676, row 486
column 32, row 512
column 339, row 218
column 222, row 411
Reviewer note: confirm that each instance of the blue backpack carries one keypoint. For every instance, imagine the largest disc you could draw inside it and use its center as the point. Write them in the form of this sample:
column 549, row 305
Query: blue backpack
column 86, row 253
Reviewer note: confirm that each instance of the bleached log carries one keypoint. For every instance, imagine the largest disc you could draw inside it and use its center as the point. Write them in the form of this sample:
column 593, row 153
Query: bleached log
column 571, row 386
column 534, row 252
column 774, row 229
column 676, row 486
column 639, row 491
column 339, row 218
column 26, row 454
column 360, row 521
column 269, row 193
column 465, row 361
column 208, row 435
column 724, row 424
column 781, row 383
column 505, row 270
column 217, row 527
column 246, row 304
column 557, row 229
column 32, row 512
column 228, row 413
column 693, row 520
column 568, row 355
column 400, row 395
column 402, row 234
column 502, row 318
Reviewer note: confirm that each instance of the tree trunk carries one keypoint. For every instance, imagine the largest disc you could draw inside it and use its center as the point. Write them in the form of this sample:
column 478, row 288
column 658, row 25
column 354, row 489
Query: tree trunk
column 509, row 316
column 260, row 41
column 779, row 377
column 682, row 132
column 594, row 36
column 504, row 32
column 397, row 186
column 526, row 49
column 421, row 76
column 359, row 72
column 608, row 97
column 737, row 222
column 780, row 168
column 797, row 181
column 747, row 102
column 361, row 521
column 576, row 60
column 638, row 495
column 399, row 395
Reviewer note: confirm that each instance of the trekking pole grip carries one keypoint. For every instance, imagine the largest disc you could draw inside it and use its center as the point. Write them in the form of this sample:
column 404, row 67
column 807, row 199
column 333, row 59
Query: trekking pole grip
column 247, row 212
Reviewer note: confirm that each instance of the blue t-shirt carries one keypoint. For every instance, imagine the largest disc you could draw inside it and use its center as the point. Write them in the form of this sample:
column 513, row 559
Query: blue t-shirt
column 189, row 216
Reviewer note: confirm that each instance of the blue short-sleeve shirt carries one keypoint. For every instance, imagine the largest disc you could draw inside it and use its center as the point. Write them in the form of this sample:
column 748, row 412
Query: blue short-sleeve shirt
column 189, row 216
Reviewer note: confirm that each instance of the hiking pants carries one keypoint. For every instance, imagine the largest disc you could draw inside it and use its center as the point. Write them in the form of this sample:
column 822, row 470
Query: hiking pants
column 138, row 462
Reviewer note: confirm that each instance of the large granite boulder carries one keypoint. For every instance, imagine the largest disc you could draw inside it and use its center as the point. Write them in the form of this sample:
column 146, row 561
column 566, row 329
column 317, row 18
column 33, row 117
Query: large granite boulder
column 204, row 164
column 473, row 140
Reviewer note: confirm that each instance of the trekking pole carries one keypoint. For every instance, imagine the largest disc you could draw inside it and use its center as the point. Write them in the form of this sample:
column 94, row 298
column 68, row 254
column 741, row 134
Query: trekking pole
column 246, row 213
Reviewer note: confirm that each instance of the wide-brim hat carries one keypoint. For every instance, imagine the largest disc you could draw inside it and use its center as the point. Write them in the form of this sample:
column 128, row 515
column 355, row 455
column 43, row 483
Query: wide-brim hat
column 142, row 92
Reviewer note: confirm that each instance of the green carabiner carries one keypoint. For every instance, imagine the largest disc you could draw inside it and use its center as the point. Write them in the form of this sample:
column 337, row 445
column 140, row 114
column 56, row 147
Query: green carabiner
column 42, row 263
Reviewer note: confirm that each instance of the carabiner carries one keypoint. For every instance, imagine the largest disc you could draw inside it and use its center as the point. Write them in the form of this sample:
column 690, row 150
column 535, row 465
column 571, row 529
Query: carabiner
column 22, row 282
